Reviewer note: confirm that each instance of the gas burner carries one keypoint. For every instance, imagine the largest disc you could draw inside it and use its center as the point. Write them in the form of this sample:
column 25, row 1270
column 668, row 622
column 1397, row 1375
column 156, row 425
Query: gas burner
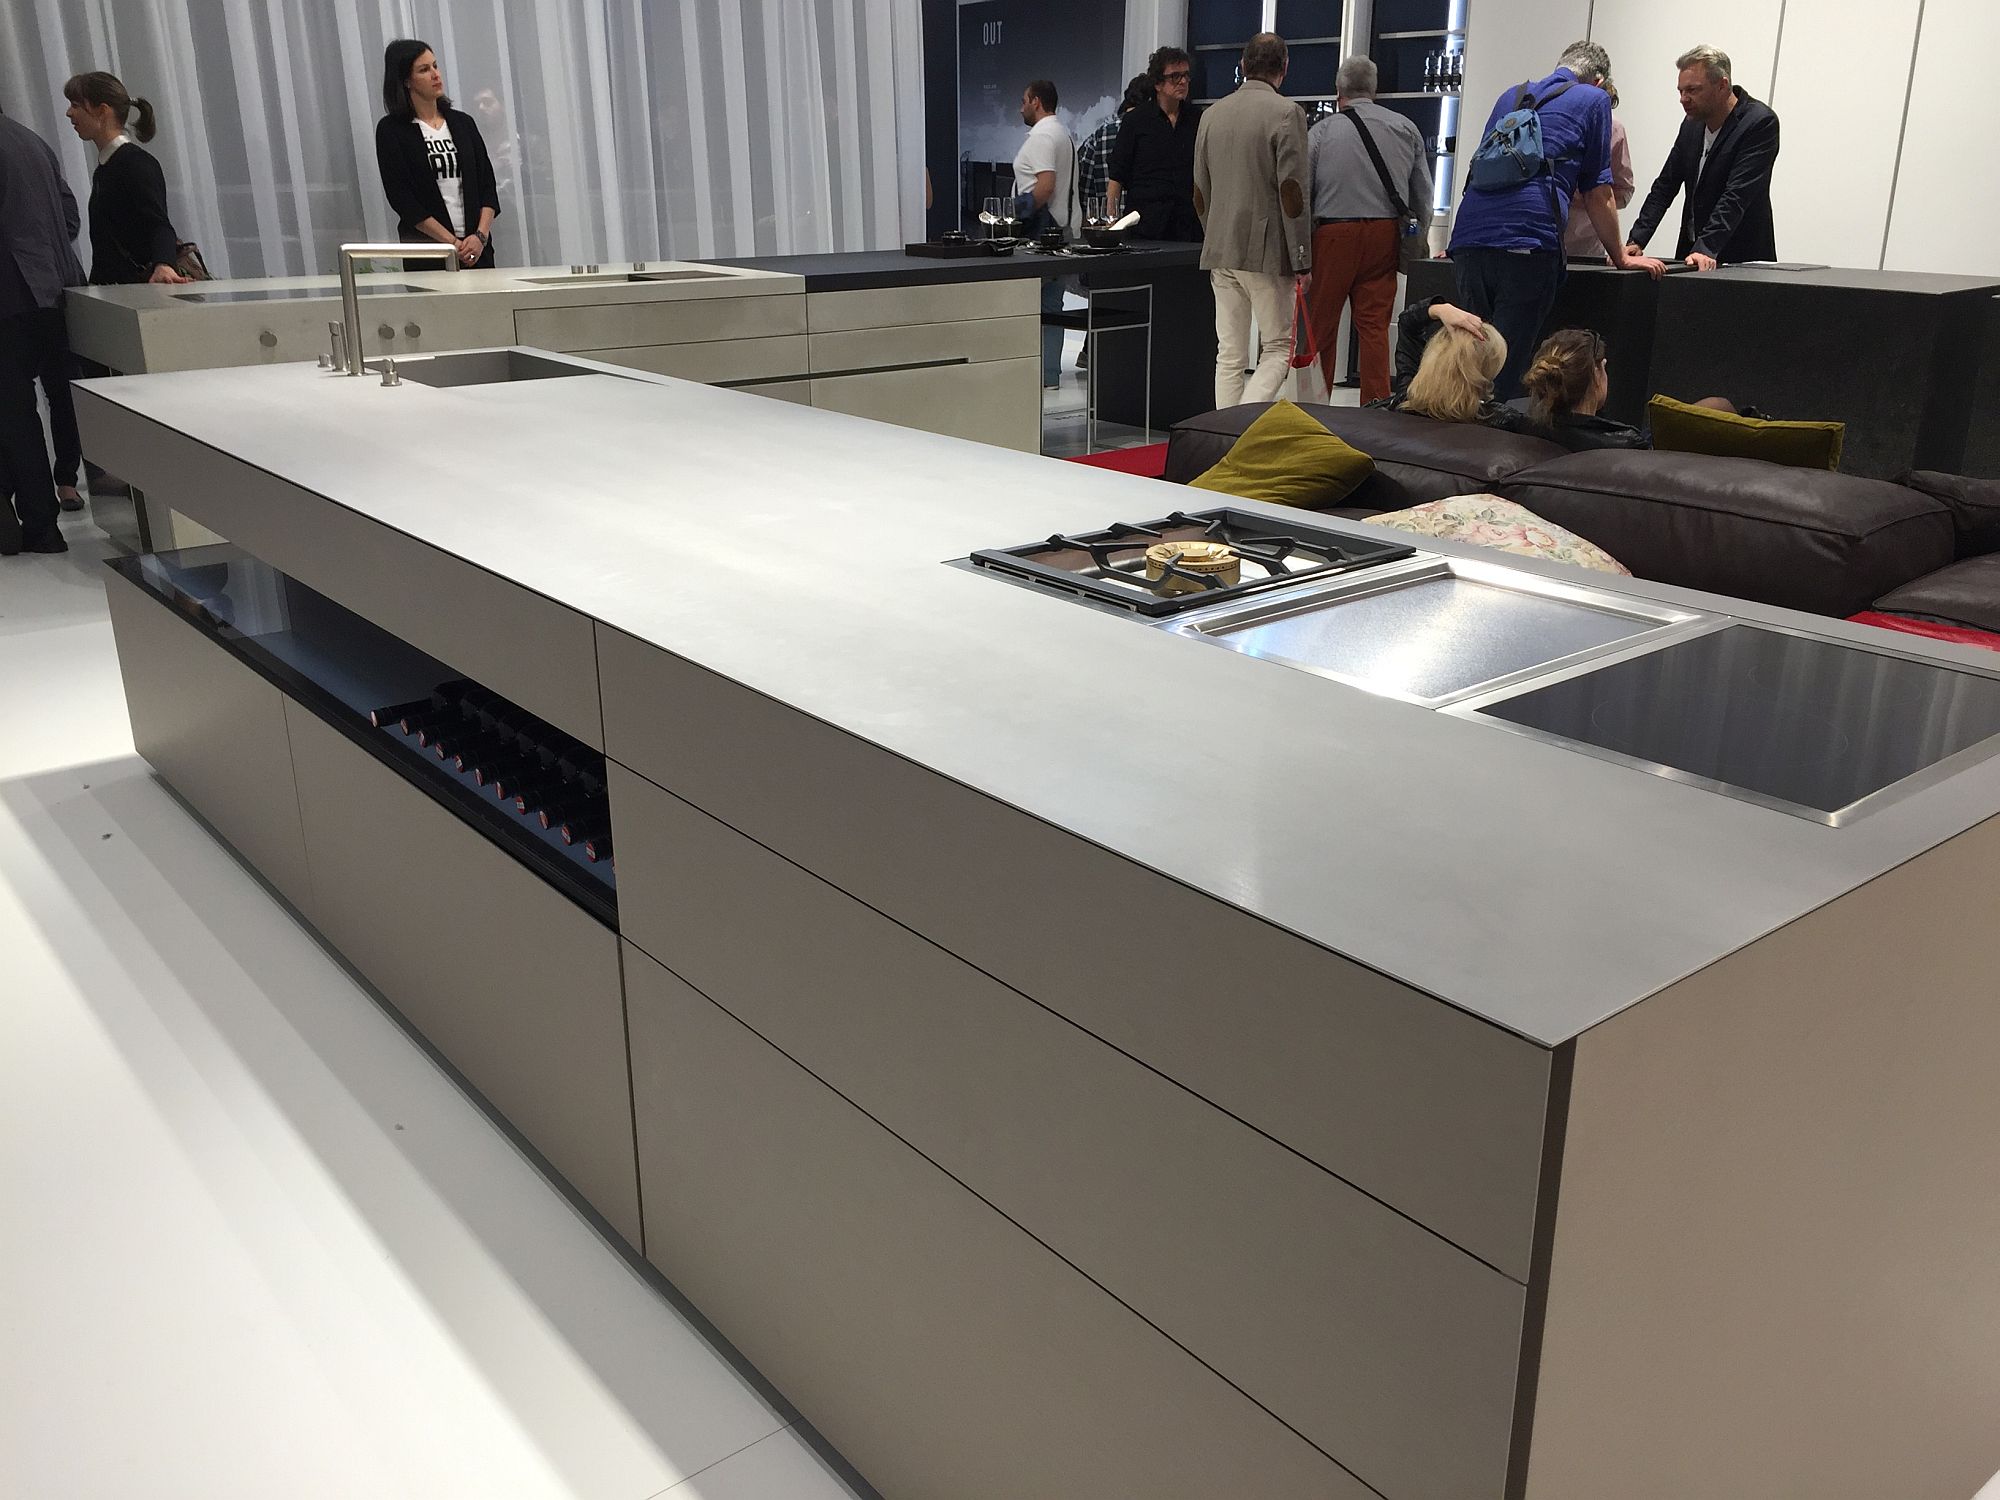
column 1215, row 555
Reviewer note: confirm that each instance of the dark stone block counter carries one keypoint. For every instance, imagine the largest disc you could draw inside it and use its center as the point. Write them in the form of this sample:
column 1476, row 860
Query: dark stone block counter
column 1896, row 355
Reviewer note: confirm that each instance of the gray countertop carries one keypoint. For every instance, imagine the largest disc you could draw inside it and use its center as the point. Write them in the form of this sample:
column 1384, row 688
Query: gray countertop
column 861, row 269
column 1528, row 884
column 528, row 285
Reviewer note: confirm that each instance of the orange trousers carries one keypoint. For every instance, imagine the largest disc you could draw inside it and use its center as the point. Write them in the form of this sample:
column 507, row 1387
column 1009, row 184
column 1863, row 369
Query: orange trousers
column 1355, row 262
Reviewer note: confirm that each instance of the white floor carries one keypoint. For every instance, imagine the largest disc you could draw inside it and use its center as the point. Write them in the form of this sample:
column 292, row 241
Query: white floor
column 252, row 1242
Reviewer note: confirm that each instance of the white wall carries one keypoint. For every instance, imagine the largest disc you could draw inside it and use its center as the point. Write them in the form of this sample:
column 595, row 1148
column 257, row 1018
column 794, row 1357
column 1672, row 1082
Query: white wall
column 1837, row 152
column 1837, row 72
column 1946, row 216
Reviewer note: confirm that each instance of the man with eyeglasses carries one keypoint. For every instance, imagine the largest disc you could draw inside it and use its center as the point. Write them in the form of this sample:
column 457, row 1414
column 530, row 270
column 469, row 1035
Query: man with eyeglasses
column 1152, row 166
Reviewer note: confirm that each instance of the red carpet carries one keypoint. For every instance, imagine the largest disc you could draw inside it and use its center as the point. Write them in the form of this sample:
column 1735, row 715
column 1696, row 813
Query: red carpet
column 1956, row 634
column 1149, row 462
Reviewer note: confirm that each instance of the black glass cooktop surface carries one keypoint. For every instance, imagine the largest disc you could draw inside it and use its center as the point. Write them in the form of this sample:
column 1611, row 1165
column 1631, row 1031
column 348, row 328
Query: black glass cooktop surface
column 1812, row 724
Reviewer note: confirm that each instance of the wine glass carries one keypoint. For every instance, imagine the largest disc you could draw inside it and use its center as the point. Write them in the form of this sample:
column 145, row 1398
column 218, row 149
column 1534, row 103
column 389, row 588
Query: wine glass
column 993, row 207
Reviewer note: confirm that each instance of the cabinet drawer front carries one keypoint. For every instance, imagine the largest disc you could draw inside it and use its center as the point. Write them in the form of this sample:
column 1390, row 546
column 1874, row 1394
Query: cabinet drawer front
column 523, row 646
column 506, row 977
column 1387, row 1347
column 714, row 364
column 628, row 325
column 1433, row 1112
column 947, row 302
column 215, row 731
column 938, row 1347
column 976, row 341
column 998, row 402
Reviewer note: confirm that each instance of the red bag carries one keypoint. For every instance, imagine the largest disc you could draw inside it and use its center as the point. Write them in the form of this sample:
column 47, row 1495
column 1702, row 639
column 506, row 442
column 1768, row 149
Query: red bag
column 1304, row 355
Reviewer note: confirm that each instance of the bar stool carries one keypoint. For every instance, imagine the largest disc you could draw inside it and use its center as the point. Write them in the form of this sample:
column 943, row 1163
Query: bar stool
column 1113, row 319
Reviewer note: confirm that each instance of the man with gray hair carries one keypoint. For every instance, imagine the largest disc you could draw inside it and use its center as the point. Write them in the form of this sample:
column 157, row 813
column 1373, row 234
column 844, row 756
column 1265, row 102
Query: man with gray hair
column 1370, row 176
column 1722, row 162
column 1507, row 244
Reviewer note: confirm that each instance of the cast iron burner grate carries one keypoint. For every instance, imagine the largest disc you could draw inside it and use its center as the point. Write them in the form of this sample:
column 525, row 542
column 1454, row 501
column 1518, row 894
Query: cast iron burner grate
column 1110, row 565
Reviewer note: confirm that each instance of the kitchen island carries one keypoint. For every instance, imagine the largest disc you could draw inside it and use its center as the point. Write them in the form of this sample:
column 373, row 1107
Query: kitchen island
column 1066, row 1058
column 1164, row 282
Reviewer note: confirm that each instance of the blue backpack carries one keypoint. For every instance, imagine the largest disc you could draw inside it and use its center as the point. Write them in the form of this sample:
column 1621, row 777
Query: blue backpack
column 1511, row 154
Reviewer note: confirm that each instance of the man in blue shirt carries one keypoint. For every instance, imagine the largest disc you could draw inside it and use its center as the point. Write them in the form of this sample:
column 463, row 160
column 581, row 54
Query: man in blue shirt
column 1508, row 242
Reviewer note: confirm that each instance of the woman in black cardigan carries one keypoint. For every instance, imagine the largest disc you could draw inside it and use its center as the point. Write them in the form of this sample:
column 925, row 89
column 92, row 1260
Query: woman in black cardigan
column 435, row 170
column 131, row 237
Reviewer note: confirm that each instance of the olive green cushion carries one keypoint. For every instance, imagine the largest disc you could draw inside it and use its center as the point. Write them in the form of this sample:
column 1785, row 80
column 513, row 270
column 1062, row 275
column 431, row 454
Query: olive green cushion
column 1681, row 428
column 1287, row 458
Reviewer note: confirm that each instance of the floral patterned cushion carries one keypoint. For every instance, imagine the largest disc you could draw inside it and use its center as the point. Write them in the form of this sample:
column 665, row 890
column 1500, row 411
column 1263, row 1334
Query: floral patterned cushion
column 1489, row 521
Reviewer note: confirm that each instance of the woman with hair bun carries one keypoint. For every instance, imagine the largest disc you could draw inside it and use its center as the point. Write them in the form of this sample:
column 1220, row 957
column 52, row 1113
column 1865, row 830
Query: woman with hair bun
column 131, row 237
column 1567, row 383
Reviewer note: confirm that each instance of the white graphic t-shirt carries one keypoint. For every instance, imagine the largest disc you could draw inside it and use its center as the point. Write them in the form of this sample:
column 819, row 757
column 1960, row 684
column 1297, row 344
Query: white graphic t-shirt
column 443, row 154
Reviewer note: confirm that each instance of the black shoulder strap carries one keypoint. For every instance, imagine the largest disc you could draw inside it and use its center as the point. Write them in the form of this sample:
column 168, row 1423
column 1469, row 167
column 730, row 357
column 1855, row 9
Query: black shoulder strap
column 1381, row 168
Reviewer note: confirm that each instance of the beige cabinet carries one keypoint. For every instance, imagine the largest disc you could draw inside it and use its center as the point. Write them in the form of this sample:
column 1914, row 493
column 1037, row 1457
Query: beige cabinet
column 216, row 733
column 962, row 359
column 1369, row 1335
column 516, row 985
column 938, row 1345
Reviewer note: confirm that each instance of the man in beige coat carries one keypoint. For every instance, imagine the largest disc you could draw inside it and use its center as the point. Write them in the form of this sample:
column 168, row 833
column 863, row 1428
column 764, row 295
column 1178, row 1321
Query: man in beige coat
column 1251, row 174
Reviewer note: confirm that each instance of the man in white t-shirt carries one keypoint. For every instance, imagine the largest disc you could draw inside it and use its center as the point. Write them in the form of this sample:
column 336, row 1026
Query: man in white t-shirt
column 1045, row 194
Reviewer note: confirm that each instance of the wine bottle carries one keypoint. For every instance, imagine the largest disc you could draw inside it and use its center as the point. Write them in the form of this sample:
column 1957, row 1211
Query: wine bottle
column 529, row 782
column 392, row 716
column 595, row 823
column 597, row 848
column 1430, row 72
column 559, row 810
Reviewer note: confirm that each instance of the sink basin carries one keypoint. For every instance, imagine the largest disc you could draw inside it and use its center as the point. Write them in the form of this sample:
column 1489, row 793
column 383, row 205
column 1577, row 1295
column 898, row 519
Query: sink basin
column 1821, row 729
column 583, row 278
column 484, row 367
column 1434, row 630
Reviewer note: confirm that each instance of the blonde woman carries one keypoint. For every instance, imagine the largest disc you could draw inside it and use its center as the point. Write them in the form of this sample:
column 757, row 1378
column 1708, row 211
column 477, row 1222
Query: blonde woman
column 1453, row 381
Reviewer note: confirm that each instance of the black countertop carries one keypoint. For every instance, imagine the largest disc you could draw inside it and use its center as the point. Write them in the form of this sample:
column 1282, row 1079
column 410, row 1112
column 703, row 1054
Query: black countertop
column 1835, row 278
column 858, row 270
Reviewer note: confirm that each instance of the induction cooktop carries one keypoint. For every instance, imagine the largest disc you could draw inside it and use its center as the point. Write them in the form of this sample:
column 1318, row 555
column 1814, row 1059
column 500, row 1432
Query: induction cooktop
column 1814, row 727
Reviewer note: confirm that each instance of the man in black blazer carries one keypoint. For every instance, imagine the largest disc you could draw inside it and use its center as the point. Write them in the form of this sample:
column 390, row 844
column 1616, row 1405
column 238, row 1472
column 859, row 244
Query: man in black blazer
column 1722, row 160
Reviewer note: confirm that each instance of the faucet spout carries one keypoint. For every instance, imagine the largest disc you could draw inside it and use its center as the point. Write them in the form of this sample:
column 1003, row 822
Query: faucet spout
column 350, row 297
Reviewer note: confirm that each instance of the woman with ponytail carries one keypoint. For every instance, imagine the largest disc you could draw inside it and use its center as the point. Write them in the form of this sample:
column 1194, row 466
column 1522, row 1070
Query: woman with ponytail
column 131, row 237
column 1568, row 383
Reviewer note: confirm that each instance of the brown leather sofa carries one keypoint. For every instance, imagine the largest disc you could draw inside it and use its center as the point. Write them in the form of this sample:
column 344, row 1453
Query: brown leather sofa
column 1826, row 543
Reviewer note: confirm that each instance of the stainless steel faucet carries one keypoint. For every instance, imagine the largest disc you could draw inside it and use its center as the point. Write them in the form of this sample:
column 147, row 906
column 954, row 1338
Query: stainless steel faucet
column 350, row 298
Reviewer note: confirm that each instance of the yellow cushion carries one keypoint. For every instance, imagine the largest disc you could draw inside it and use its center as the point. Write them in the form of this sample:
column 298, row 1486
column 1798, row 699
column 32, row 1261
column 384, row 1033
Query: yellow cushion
column 1681, row 428
column 1287, row 458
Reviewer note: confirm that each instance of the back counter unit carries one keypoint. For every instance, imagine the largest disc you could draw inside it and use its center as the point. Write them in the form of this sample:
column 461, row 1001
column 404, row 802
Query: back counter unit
column 1174, row 371
column 1056, row 1090
column 960, row 360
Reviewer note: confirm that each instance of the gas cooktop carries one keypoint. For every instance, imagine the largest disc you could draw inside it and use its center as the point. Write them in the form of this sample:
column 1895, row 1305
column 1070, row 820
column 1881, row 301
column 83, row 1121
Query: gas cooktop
column 1187, row 560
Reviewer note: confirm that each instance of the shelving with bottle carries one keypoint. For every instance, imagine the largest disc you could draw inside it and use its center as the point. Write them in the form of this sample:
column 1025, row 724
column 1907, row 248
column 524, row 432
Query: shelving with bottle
column 518, row 781
column 1219, row 29
column 1419, row 52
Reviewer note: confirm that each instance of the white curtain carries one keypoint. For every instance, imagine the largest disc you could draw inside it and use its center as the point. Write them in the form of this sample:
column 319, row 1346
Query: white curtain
column 619, row 129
